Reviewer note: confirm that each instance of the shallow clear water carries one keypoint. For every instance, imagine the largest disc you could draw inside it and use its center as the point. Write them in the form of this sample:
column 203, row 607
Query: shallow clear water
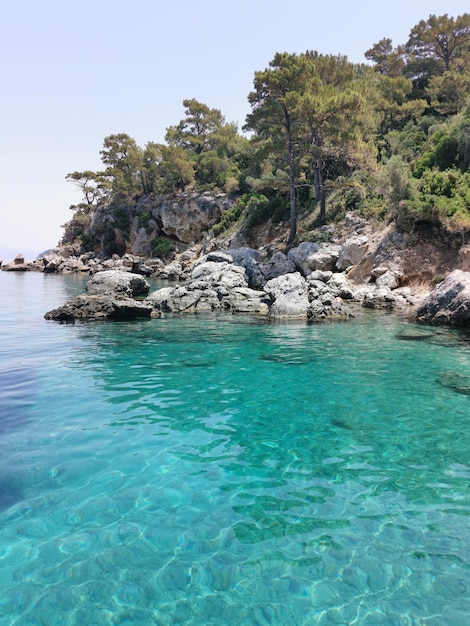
column 222, row 470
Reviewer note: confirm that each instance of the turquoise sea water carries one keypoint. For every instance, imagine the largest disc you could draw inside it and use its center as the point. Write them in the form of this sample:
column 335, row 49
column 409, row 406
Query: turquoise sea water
column 225, row 470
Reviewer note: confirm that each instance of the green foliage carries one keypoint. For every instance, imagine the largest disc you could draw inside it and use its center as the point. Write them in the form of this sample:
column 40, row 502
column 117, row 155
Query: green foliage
column 388, row 61
column 356, row 192
column 442, row 197
column 94, row 186
column 442, row 153
column 258, row 209
column 176, row 170
column 406, row 143
column 327, row 137
column 448, row 92
column 144, row 218
column 396, row 183
column 121, row 218
column 124, row 166
column 311, row 114
column 439, row 43
column 162, row 247
column 87, row 240
column 229, row 218
column 314, row 236
column 213, row 146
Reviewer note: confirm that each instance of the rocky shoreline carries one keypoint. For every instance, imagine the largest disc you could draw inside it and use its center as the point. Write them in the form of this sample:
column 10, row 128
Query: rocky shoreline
column 313, row 281
column 300, row 285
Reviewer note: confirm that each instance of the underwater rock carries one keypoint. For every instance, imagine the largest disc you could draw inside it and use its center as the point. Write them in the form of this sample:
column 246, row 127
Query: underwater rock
column 455, row 381
column 414, row 334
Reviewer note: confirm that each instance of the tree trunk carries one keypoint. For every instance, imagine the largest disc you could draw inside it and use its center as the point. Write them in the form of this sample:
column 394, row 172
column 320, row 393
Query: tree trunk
column 321, row 191
column 292, row 194
column 316, row 182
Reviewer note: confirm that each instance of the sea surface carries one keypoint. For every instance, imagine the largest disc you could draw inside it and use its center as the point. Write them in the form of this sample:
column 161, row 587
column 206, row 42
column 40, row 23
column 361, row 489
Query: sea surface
column 219, row 469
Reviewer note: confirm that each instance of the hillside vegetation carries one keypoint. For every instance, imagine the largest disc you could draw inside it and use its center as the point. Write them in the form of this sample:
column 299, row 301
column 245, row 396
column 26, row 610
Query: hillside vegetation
column 389, row 139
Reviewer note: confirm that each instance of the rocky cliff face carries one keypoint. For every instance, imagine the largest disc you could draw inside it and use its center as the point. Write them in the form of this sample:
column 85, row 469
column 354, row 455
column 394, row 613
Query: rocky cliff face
column 174, row 230
column 150, row 228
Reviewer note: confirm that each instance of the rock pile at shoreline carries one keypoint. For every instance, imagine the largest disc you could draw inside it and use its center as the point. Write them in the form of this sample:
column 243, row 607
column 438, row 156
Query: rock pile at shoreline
column 313, row 281
column 225, row 280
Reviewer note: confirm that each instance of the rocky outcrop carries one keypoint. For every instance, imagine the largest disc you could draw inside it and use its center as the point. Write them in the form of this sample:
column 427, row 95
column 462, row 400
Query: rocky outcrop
column 258, row 265
column 219, row 274
column 218, row 283
column 289, row 296
column 110, row 295
column 326, row 294
column 185, row 218
column 318, row 297
column 352, row 251
column 124, row 284
column 17, row 265
column 99, row 307
column 215, row 285
column 449, row 302
column 63, row 261
column 308, row 256
column 199, row 297
column 278, row 265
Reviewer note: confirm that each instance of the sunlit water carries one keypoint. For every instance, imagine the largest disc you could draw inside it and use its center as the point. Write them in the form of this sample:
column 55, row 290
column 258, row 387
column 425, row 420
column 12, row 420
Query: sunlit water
column 223, row 470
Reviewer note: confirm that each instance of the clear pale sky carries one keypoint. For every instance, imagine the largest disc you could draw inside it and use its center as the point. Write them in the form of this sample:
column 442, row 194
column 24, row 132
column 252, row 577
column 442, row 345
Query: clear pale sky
column 74, row 72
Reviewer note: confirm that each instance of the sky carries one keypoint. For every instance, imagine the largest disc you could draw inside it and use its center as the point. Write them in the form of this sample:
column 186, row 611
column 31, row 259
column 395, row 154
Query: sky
column 74, row 72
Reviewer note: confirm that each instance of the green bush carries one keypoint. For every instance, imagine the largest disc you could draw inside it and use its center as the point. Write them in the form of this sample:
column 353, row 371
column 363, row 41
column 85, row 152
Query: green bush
column 313, row 236
column 144, row 218
column 162, row 247
column 87, row 240
column 229, row 218
column 260, row 210
column 121, row 219
column 442, row 197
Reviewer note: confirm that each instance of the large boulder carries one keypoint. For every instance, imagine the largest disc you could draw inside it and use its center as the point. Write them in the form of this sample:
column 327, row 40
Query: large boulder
column 198, row 297
column 216, row 283
column 249, row 259
column 308, row 256
column 278, row 265
column 223, row 274
column 55, row 262
column 246, row 300
column 328, row 307
column 96, row 307
column 115, row 282
column 378, row 298
column 259, row 267
column 391, row 279
column 184, row 299
column 352, row 251
column 289, row 296
column 449, row 302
